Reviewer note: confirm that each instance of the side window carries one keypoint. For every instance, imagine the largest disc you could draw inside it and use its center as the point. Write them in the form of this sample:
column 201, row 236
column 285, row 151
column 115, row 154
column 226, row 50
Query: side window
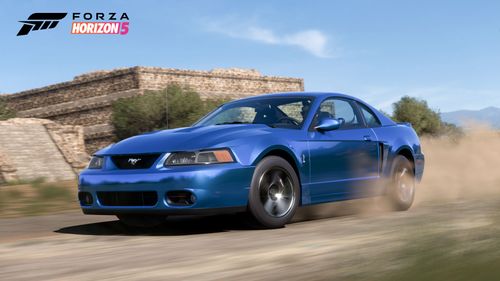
column 338, row 108
column 293, row 110
column 370, row 118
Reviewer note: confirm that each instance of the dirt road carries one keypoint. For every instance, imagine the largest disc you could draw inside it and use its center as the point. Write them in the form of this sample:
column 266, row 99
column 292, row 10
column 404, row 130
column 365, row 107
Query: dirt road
column 343, row 243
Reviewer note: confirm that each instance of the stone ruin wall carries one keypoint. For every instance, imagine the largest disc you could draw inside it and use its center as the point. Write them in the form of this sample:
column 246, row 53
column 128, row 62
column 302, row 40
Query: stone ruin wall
column 27, row 145
column 87, row 99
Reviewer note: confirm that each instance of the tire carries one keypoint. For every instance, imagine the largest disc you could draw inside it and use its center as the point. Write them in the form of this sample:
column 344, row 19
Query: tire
column 274, row 193
column 401, row 192
column 142, row 221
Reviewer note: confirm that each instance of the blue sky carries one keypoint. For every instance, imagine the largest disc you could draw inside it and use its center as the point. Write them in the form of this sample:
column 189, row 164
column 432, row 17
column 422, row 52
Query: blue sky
column 446, row 52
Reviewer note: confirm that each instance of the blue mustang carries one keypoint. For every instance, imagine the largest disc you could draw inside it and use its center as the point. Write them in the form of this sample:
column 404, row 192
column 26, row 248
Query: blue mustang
column 265, row 155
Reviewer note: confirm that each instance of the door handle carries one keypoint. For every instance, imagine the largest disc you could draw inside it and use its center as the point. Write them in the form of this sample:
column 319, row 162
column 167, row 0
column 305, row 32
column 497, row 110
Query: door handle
column 367, row 138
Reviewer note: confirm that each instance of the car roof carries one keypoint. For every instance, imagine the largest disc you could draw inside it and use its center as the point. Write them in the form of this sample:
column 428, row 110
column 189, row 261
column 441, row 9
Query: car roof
column 301, row 94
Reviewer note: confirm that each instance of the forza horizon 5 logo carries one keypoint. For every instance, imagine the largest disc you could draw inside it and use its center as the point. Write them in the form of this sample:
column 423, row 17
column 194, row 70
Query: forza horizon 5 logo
column 83, row 23
column 40, row 21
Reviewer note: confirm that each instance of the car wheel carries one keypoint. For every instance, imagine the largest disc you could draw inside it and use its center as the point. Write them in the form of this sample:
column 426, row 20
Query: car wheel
column 402, row 185
column 142, row 221
column 274, row 193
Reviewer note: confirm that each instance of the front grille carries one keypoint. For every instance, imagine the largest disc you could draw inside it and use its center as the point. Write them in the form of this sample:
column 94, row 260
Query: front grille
column 128, row 198
column 134, row 161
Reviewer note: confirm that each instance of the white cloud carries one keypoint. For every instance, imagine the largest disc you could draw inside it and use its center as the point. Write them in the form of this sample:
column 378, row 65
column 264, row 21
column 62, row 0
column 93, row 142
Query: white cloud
column 313, row 41
column 257, row 34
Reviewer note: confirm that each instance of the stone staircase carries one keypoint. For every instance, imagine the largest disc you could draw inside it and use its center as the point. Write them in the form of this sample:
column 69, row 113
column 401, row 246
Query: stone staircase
column 31, row 151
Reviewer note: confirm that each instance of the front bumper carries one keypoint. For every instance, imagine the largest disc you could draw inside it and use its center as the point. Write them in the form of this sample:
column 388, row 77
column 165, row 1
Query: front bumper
column 217, row 188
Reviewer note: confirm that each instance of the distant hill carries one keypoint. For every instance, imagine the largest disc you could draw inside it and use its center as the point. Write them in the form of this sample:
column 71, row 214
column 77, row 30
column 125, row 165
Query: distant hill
column 489, row 116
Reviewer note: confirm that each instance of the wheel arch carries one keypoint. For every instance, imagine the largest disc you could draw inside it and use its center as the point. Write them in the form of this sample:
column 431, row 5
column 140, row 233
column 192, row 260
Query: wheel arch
column 408, row 154
column 284, row 153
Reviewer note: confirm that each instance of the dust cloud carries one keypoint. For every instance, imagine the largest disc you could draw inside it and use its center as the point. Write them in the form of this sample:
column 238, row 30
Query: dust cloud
column 462, row 169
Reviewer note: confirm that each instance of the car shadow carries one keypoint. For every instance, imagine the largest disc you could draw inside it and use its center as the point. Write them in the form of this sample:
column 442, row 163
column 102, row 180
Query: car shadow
column 174, row 225
column 192, row 225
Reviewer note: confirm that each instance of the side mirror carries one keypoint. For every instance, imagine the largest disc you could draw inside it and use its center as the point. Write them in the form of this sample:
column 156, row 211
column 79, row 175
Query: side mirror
column 329, row 124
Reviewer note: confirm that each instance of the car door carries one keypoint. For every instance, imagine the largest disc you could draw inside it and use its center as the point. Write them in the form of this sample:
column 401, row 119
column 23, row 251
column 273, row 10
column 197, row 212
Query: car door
column 342, row 161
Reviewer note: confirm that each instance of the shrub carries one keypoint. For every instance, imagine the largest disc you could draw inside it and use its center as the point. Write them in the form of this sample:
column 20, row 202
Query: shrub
column 170, row 108
column 5, row 111
column 424, row 120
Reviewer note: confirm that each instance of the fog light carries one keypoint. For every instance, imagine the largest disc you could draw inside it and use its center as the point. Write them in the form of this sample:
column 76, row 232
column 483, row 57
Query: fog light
column 85, row 198
column 180, row 198
column 193, row 198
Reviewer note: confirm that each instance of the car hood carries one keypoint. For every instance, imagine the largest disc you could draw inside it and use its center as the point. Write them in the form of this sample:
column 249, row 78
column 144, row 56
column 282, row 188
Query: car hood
column 186, row 139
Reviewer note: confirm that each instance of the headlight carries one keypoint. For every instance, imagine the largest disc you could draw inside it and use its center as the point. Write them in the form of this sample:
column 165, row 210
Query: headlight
column 199, row 157
column 96, row 162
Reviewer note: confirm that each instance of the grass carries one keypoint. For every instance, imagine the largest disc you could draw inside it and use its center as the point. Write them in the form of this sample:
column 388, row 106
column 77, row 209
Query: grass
column 465, row 254
column 37, row 197
column 22, row 182
column 53, row 192
column 437, row 260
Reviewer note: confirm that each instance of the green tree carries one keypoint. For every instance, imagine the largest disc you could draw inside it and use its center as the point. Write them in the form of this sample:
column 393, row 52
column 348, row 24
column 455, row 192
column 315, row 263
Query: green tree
column 170, row 108
column 5, row 111
column 424, row 120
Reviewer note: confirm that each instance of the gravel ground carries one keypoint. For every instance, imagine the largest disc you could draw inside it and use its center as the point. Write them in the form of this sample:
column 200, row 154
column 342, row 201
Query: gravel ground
column 344, row 241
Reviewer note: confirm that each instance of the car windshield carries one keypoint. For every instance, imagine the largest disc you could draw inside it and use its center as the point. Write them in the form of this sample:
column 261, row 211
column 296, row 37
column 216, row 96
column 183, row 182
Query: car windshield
column 276, row 112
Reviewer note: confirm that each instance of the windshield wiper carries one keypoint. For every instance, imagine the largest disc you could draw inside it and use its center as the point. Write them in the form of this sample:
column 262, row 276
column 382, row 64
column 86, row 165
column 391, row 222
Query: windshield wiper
column 230, row 123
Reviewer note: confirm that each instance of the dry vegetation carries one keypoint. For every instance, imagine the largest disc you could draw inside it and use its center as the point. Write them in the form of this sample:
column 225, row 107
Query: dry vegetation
column 37, row 197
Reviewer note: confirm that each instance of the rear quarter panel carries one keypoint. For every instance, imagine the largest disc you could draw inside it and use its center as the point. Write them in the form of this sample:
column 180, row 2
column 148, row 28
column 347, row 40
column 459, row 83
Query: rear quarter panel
column 396, row 138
